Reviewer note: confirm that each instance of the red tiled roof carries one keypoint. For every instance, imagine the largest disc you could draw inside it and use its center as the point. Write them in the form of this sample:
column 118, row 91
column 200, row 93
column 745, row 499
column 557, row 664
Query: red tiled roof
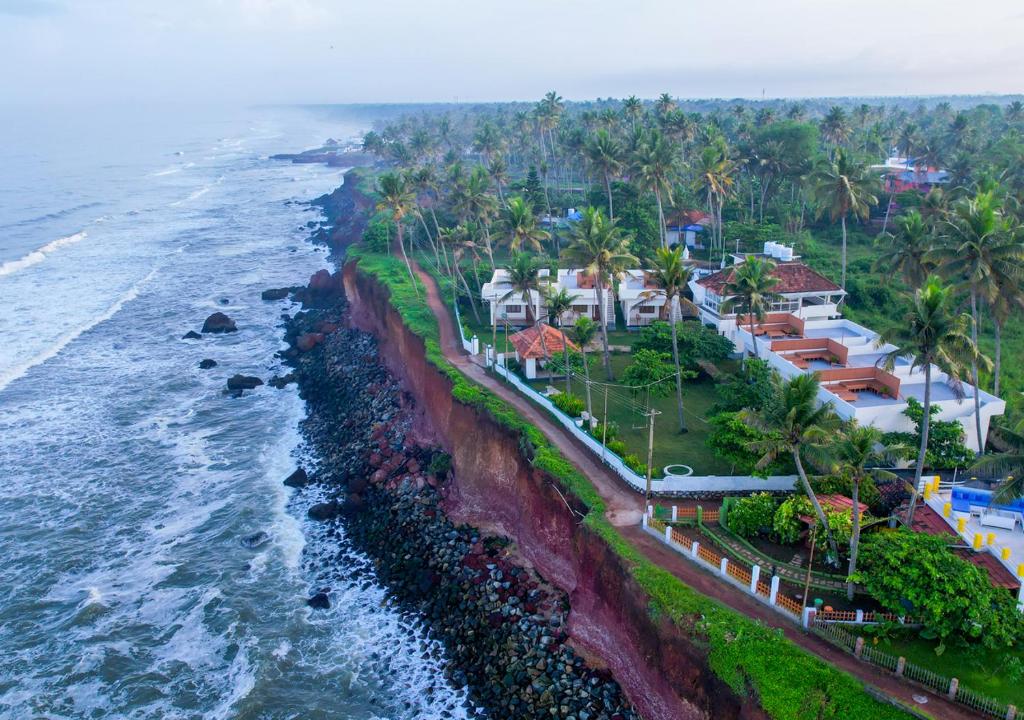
column 836, row 503
column 929, row 521
column 527, row 342
column 688, row 217
column 794, row 277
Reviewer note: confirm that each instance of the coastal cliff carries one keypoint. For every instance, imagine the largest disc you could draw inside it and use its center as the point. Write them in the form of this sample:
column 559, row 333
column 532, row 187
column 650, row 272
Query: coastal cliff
column 495, row 487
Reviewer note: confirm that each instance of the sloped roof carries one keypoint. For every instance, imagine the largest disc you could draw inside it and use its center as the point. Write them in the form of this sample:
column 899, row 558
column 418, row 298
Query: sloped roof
column 794, row 277
column 928, row 521
column 528, row 342
column 835, row 503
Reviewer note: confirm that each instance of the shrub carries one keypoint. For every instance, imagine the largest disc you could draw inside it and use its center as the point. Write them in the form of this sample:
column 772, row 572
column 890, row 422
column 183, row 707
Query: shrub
column 440, row 464
column 916, row 573
column 617, row 446
column 752, row 515
column 635, row 464
column 786, row 524
column 571, row 405
column 598, row 431
column 377, row 234
column 730, row 438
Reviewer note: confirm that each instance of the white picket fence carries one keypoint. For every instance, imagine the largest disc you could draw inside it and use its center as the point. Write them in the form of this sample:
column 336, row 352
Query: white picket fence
column 669, row 483
column 472, row 345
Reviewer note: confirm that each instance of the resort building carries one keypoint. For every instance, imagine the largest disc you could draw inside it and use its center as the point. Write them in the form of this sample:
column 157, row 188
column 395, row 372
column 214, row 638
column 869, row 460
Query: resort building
column 510, row 306
column 805, row 333
column 902, row 174
column 686, row 228
column 583, row 289
column 642, row 303
column 804, row 293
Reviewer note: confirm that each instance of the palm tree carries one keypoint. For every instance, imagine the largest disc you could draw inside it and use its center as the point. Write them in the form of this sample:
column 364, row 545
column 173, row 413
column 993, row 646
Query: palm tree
column 459, row 240
column 1007, row 300
column 398, row 199
column 583, row 331
column 606, row 157
column 932, row 334
column 1010, row 464
column 524, row 281
column 835, row 128
column 522, row 227
column 856, row 456
column 602, row 250
column 670, row 276
column 632, row 108
column 656, row 166
column 792, row 425
column 751, row 286
column 978, row 248
column 843, row 188
column 664, row 105
column 906, row 250
column 472, row 200
column 715, row 175
column 498, row 170
column 559, row 303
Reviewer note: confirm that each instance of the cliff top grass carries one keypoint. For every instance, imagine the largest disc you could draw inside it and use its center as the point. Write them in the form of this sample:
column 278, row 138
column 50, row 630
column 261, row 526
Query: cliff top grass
column 752, row 658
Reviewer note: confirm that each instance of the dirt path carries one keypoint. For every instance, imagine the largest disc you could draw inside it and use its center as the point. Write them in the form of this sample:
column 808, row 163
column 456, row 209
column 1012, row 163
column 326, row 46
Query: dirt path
column 625, row 509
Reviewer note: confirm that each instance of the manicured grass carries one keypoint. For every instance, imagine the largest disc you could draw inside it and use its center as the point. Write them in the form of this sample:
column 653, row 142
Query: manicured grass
column 996, row 673
column 670, row 446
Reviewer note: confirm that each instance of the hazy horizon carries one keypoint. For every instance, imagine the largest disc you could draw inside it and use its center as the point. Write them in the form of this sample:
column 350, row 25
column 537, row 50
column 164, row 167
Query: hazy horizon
column 322, row 52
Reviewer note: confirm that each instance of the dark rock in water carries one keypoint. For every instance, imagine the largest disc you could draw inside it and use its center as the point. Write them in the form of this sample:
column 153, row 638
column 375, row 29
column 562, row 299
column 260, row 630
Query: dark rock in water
column 275, row 294
column 254, row 540
column 243, row 382
column 353, row 503
column 297, row 479
column 225, row 301
column 207, row 363
column 308, row 341
column 323, row 511
column 320, row 601
column 282, row 381
column 219, row 323
column 191, row 335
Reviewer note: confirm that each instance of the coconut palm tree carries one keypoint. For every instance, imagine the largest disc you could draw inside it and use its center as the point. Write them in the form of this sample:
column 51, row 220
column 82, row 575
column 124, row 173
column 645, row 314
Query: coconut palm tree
column 558, row 303
column 1007, row 301
column 978, row 247
column 751, row 287
column 606, row 157
column 932, row 334
column 633, row 109
column 715, row 175
column 498, row 170
column 583, row 331
column 655, row 168
column 835, row 127
column 600, row 249
column 670, row 277
column 398, row 199
column 525, row 282
column 1010, row 464
column 857, row 454
column 472, row 200
column 459, row 240
column 793, row 425
column 844, row 187
column 906, row 250
column 521, row 225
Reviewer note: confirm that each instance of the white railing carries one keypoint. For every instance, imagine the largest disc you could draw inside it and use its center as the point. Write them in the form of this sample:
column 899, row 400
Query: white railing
column 669, row 483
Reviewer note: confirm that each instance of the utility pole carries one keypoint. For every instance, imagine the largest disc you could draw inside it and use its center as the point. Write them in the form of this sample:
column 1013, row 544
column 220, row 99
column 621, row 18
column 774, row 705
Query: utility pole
column 604, row 429
column 810, row 563
column 650, row 450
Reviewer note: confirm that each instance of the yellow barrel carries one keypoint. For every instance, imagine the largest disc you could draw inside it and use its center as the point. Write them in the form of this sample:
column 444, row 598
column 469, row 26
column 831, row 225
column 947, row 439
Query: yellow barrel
column 927, row 491
column 991, row 539
column 1005, row 553
column 961, row 524
column 1020, row 570
column 947, row 509
column 978, row 541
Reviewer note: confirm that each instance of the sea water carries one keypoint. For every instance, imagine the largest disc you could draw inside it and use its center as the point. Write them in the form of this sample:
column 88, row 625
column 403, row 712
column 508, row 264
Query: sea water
column 128, row 477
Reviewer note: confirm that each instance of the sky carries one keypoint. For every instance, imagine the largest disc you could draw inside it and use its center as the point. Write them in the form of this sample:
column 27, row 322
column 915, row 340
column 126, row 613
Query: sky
column 342, row 51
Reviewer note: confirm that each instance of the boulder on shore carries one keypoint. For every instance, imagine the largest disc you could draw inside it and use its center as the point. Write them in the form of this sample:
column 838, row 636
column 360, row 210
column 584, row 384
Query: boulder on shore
column 191, row 335
column 243, row 382
column 323, row 511
column 219, row 323
column 275, row 293
column 297, row 479
column 308, row 341
column 207, row 363
column 282, row 381
column 320, row 601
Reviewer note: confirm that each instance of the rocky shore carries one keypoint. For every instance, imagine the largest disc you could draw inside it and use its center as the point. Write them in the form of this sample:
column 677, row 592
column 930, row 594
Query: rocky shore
column 504, row 628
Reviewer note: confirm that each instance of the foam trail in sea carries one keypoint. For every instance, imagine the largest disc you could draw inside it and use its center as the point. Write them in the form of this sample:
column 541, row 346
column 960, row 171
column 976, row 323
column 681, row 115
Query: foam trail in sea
column 39, row 254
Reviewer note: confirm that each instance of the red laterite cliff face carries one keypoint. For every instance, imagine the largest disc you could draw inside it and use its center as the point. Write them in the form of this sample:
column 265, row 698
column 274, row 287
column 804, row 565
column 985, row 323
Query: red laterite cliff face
column 663, row 670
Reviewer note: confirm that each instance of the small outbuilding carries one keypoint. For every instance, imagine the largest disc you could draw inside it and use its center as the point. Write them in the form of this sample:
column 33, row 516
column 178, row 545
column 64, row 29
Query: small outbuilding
column 534, row 344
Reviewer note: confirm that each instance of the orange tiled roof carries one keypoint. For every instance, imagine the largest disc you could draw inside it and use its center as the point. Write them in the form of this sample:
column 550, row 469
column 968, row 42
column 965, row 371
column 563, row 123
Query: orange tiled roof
column 527, row 342
column 794, row 277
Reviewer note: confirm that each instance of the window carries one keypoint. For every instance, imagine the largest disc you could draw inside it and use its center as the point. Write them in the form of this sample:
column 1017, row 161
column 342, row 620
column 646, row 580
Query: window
column 580, row 309
column 513, row 309
column 647, row 310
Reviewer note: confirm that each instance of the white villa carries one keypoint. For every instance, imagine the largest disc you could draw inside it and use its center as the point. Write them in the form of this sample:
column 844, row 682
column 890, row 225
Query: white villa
column 640, row 301
column 806, row 333
column 511, row 307
column 583, row 288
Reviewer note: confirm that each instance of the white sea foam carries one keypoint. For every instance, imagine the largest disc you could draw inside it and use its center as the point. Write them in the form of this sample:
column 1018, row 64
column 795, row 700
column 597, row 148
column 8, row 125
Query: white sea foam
column 10, row 375
column 173, row 169
column 39, row 254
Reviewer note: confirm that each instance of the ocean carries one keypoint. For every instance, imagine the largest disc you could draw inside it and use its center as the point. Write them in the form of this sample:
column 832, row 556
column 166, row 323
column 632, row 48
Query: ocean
column 128, row 476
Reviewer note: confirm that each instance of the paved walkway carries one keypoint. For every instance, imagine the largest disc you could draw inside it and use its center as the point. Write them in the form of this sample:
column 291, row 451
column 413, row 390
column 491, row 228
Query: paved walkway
column 793, row 574
column 625, row 509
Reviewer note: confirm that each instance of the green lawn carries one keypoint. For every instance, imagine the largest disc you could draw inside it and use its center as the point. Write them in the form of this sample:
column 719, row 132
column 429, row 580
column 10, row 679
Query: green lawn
column 670, row 447
column 996, row 673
